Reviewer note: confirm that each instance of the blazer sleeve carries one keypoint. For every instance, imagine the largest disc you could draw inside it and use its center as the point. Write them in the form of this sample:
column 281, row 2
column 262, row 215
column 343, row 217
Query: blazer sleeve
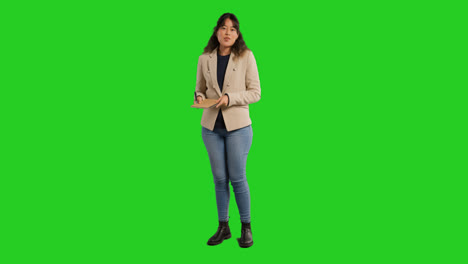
column 200, row 87
column 252, row 82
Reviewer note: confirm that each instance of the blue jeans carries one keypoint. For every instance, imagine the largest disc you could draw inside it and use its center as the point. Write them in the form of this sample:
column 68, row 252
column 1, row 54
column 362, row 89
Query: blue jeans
column 228, row 158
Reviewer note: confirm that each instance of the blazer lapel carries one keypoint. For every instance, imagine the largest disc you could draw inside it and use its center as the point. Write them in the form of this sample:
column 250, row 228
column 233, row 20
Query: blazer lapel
column 213, row 67
column 231, row 67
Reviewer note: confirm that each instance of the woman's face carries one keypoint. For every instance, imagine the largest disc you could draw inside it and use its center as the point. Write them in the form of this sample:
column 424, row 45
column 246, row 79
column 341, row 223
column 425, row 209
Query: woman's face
column 227, row 35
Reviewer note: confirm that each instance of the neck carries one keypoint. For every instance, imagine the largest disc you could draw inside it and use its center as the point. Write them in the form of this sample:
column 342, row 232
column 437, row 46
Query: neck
column 223, row 51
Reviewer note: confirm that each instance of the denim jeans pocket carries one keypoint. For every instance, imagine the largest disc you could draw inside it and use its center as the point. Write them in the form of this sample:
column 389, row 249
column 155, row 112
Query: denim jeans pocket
column 206, row 131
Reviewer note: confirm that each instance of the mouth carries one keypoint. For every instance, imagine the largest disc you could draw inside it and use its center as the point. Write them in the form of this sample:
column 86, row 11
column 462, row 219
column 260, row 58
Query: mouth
column 227, row 39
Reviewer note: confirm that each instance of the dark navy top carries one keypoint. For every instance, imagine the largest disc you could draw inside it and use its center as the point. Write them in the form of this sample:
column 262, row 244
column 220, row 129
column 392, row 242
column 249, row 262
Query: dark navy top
column 221, row 72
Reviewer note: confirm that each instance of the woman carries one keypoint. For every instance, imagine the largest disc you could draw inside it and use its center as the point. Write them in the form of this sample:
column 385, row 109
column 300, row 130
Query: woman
column 227, row 71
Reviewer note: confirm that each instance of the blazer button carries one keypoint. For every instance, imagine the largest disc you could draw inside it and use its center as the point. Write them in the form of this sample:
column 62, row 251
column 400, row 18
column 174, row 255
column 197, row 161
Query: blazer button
column 228, row 85
column 234, row 69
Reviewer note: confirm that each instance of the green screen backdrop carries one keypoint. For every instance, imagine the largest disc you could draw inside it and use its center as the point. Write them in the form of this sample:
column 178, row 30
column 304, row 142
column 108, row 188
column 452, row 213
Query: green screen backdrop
column 353, row 148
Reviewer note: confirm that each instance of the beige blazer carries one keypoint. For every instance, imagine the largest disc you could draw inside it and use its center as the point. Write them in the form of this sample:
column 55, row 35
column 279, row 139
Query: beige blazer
column 241, row 84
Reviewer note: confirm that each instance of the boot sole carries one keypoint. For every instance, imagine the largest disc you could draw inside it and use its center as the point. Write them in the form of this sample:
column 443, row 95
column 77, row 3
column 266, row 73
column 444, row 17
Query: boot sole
column 246, row 245
column 217, row 243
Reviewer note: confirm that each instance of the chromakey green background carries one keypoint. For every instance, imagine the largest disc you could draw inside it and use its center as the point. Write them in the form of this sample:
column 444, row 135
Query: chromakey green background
column 352, row 156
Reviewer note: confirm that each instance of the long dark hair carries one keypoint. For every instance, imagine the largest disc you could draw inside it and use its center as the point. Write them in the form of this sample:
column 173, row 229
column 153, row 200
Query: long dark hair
column 239, row 46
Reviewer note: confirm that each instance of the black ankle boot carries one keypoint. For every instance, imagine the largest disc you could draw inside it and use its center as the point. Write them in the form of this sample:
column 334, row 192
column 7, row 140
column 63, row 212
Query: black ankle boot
column 222, row 233
column 246, row 236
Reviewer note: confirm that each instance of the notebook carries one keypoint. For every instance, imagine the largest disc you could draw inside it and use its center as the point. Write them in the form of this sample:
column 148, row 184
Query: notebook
column 207, row 103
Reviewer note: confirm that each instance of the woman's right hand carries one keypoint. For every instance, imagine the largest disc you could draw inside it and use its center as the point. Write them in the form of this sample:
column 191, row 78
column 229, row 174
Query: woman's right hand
column 199, row 100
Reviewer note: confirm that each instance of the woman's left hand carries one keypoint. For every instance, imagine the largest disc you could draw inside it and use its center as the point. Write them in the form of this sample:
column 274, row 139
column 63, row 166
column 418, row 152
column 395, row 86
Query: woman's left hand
column 224, row 100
